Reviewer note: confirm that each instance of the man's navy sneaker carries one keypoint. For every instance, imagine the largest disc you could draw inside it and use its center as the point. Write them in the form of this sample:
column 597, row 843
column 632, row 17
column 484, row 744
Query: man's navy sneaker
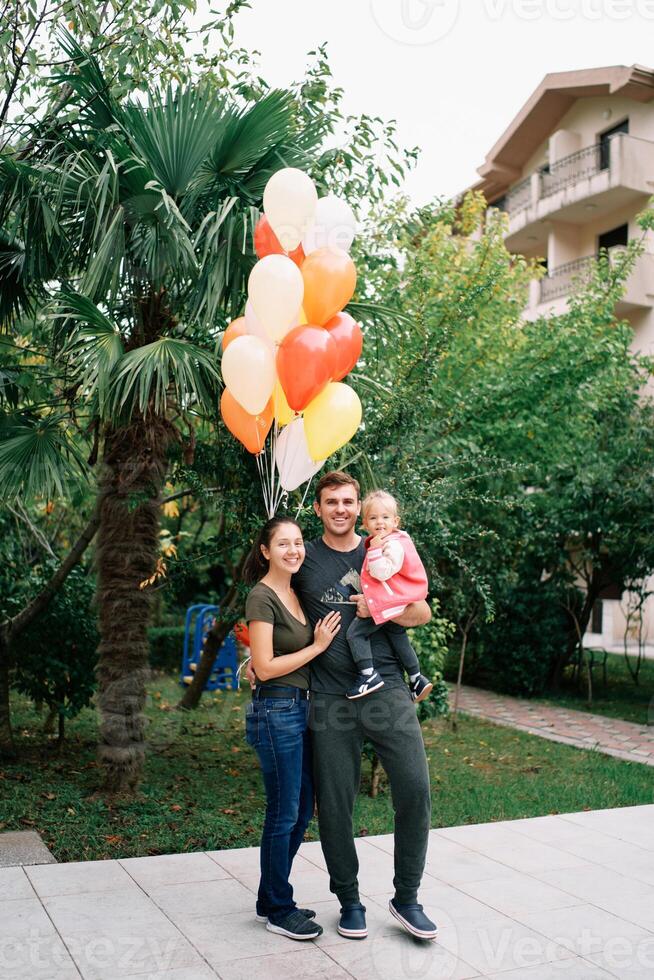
column 413, row 919
column 307, row 913
column 365, row 684
column 420, row 688
column 353, row 922
column 295, row 926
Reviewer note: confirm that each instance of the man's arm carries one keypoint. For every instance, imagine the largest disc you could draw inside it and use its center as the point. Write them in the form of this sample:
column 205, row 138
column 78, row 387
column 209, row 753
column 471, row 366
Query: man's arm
column 415, row 614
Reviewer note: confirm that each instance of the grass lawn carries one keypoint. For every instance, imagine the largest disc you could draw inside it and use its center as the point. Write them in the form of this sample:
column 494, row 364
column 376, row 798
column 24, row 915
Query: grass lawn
column 202, row 791
column 621, row 698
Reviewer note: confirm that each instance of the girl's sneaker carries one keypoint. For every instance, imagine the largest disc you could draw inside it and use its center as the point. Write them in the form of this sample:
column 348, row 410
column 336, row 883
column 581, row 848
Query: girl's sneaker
column 420, row 688
column 365, row 684
column 295, row 926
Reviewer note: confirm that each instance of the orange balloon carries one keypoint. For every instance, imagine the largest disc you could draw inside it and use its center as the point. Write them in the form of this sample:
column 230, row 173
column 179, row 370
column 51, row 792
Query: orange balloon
column 330, row 278
column 251, row 430
column 236, row 329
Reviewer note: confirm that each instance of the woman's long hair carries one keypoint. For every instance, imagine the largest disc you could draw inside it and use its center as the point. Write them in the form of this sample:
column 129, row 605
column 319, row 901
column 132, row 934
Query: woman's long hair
column 256, row 566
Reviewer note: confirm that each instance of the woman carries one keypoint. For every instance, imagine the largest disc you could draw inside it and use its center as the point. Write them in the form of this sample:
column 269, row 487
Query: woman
column 282, row 644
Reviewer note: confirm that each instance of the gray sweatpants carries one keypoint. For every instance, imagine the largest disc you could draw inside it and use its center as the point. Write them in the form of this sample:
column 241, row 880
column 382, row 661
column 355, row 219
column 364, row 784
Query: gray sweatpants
column 338, row 727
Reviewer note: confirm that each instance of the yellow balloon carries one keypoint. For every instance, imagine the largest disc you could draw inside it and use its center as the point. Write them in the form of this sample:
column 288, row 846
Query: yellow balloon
column 331, row 419
column 303, row 317
column 282, row 412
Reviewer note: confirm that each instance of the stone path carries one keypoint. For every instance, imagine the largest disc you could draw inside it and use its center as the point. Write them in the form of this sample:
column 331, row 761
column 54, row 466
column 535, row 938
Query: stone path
column 612, row 736
column 569, row 896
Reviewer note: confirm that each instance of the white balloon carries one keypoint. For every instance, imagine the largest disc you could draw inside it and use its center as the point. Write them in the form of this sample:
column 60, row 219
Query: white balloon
column 276, row 291
column 248, row 368
column 294, row 464
column 334, row 225
column 289, row 203
column 254, row 326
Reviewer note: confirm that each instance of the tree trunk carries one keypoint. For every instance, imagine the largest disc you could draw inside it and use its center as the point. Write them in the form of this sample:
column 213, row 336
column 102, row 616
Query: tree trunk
column 133, row 473
column 578, row 625
column 375, row 776
column 7, row 744
column 212, row 644
column 459, row 678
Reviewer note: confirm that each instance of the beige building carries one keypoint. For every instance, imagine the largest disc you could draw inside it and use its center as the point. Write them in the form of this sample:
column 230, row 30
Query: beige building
column 572, row 171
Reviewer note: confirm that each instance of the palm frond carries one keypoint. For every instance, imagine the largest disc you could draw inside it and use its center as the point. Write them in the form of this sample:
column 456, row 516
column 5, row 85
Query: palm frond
column 94, row 346
column 148, row 375
column 38, row 458
column 247, row 136
column 175, row 133
column 91, row 90
column 14, row 295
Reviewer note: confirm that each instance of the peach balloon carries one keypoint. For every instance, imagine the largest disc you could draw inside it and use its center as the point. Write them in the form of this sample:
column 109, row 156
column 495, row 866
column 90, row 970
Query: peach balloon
column 237, row 328
column 330, row 279
column 251, row 430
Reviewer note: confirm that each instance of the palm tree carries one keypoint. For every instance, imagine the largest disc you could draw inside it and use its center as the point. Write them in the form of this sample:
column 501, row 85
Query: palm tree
column 127, row 225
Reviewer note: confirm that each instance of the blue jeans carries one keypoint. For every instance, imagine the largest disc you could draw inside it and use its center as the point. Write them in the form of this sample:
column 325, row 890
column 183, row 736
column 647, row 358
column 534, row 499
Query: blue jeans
column 277, row 730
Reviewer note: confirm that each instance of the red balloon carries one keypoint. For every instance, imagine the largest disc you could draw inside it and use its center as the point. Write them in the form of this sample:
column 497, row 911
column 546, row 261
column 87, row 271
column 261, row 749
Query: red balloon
column 349, row 343
column 267, row 243
column 305, row 363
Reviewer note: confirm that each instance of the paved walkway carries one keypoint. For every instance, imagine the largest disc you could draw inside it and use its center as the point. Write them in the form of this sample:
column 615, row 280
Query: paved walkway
column 623, row 739
column 569, row 896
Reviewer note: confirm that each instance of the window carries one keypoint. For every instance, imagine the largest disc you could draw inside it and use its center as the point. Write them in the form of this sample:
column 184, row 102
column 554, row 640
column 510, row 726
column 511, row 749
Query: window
column 616, row 236
column 596, row 617
column 604, row 140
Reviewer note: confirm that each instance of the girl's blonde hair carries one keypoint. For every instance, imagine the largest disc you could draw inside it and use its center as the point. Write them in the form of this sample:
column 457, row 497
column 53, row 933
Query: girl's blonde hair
column 378, row 495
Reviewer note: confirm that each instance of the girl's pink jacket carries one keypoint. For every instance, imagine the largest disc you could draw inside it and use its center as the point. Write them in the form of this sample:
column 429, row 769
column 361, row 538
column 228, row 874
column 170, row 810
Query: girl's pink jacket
column 392, row 576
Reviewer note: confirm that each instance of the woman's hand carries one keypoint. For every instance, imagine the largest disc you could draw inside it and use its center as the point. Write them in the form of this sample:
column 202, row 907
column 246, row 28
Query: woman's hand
column 326, row 629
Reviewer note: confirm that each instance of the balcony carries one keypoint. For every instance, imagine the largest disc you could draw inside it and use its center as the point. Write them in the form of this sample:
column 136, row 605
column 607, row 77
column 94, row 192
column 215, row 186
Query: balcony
column 639, row 291
column 560, row 280
column 579, row 188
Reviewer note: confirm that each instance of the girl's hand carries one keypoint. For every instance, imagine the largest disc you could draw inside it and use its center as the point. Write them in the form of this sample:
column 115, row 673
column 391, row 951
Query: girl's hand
column 326, row 629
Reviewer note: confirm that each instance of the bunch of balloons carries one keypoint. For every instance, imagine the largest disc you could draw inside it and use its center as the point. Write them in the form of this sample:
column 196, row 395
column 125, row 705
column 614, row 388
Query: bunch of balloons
column 284, row 360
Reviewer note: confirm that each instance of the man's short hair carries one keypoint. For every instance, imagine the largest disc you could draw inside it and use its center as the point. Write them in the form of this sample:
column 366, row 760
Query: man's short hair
column 336, row 478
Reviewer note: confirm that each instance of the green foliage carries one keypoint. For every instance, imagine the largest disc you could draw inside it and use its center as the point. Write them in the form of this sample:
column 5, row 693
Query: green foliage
column 166, row 648
column 519, row 451
column 431, row 645
column 56, row 657
column 517, row 651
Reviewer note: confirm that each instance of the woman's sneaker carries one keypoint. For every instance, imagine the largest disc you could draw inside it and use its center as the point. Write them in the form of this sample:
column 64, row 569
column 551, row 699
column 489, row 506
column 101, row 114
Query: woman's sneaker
column 365, row 684
column 420, row 688
column 307, row 913
column 295, row 926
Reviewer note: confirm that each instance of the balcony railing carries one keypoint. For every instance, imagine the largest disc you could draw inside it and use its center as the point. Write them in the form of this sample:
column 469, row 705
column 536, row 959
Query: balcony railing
column 576, row 166
column 518, row 198
column 559, row 280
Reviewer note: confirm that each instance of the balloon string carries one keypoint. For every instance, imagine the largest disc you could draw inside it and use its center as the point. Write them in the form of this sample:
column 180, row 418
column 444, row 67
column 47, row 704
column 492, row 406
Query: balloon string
column 261, row 479
column 306, row 490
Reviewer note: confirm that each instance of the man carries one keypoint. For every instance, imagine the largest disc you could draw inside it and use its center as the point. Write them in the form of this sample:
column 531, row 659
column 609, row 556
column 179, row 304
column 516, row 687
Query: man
column 329, row 580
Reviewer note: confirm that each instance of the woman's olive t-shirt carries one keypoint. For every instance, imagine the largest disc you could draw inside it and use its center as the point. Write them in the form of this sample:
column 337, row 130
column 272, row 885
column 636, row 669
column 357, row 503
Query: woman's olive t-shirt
column 289, row 635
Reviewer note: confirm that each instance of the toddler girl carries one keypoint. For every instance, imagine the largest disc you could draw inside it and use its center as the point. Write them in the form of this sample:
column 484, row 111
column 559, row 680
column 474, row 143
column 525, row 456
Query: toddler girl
column 392, row 576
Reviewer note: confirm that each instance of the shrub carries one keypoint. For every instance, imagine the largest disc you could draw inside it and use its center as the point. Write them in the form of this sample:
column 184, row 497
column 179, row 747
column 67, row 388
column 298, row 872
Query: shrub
column 56, row 655
column 430, row 643
column 166, row 647
column 517, row 651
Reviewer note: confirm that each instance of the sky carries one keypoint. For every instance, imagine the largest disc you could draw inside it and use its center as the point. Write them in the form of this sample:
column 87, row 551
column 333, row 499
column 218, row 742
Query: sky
column 452, row 73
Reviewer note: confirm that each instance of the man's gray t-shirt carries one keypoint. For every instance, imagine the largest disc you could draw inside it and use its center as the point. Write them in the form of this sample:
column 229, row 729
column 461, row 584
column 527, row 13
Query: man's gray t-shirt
column 325, row 582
